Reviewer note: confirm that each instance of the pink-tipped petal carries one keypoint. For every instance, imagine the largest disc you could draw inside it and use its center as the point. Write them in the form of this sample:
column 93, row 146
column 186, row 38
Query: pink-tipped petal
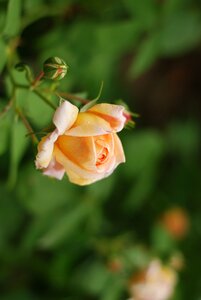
column 54, row 170
column 113, row 114
column 65, row 116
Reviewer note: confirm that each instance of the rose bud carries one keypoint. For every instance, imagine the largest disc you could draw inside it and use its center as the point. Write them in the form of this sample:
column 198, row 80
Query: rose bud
column 84, row 144
column 176, row 222
column 54, row 68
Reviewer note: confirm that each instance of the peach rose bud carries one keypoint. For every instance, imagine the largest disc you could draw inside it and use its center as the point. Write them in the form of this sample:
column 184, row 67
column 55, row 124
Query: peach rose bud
column 84, row 145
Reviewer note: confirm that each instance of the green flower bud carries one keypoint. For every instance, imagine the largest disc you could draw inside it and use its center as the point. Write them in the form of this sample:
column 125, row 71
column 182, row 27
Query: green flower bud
column 55, row 68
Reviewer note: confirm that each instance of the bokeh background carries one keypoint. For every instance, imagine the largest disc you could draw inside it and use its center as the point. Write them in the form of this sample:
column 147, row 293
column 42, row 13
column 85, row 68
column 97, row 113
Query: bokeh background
column 60, row 241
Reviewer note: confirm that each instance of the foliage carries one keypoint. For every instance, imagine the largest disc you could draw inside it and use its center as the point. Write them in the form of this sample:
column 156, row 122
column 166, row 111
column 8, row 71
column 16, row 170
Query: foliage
column 59, row 241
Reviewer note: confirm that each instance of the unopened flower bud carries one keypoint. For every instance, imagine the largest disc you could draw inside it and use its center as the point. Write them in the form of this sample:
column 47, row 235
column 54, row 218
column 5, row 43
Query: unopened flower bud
column 55, row 68
column 176, row 222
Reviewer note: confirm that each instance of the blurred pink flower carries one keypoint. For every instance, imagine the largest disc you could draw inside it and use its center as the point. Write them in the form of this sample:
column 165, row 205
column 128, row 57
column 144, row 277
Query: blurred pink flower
column 157, row 282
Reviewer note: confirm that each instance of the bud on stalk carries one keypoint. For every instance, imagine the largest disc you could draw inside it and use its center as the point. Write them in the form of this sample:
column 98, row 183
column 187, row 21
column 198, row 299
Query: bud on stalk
column 54, row 68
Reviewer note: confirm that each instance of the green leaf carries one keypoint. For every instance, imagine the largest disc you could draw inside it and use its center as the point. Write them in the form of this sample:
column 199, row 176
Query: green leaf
column 162, row 242
column 19, row 143
column 97, row 277
column 143, row 154
column 5, row 130
column 39, row 113
column 147, row 54
column 143, row 150
column 11, row 216
column 13, row 19
column 136, row 257
column 180, row 32
column 145, row 11
column 65, row 226
column 88, row 105
column 3, row 54
column 113, row 290
column 32, row 184
column 93, row 102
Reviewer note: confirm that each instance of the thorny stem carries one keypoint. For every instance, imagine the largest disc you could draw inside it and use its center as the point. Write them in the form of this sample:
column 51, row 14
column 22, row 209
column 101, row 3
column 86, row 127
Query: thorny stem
column 27, row 125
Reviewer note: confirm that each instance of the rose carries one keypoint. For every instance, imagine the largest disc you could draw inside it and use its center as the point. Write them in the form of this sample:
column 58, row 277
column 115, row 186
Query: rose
column 156, row 282
column 84, row 144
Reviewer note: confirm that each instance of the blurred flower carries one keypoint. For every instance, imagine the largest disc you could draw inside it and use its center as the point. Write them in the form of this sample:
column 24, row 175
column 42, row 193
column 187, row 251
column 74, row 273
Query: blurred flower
column 115, row 265
column 177, row 261
column 157, row 282
column 84, row 144
column 176, row 222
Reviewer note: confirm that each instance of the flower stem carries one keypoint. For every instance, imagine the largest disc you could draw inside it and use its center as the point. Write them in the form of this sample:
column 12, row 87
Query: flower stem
column 46, row 100
column 72, row 97
column 37, row 79
column 6, row 108
column 28, row 126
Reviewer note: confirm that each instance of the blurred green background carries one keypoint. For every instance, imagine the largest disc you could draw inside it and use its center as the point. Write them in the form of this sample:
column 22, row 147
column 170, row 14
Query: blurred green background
column 60, row 241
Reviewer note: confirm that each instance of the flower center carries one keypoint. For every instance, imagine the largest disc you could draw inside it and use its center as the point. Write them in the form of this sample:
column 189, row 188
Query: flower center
column 102, row 156
column 101, row 152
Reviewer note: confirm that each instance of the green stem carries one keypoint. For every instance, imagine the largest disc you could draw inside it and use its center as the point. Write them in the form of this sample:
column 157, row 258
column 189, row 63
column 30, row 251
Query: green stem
column 46, row 100
column 6, row 108
column 37, row 79
column 72, row 97
column 28, row 126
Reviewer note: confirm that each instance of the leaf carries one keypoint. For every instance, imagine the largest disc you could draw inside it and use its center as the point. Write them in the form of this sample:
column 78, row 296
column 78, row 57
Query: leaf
column 3, row 54
column 5, row 126
column 162, row 242
column 94, row 101
column 11, row 216
column 180, row 32
column 39, row 113
column 13, row 18
column 64, row 226
column 97, row 277
column 113, row 290
column 143, row 150
column 19, row 143
column 184, row 138
column 143, row 154
column 88, row 105
column 146, row 11
column 136, row 257
column 147, row 54
column 55, row 194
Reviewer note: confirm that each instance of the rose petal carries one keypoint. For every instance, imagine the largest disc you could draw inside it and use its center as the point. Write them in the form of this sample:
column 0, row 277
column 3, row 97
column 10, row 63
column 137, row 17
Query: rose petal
column 105, row 145
column 88, row 124
column 76, row 174
column 74, row 178
column 118, row 150
column 111, row 113
column 54, row 170
column 65, row 116
column 79, row 150
column 45, row 150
